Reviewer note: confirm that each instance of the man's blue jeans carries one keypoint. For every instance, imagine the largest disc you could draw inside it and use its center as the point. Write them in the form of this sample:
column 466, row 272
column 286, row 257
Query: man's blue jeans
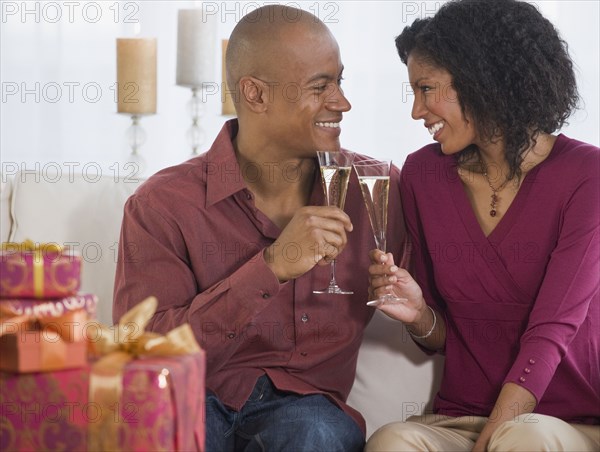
column 273, row 420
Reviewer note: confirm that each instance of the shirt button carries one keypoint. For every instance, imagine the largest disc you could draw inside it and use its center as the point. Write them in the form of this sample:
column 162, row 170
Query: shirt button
column 532, row 361
column 522, row 379
column 231, row 335
column 266, row 295
column 248, row 195
column 303, row 353
column 304, row 318
column 527, row 370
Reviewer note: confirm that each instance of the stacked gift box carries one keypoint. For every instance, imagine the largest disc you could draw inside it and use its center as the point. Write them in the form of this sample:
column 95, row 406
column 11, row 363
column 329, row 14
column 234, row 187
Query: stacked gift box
column 68, row 382
column 43, row 316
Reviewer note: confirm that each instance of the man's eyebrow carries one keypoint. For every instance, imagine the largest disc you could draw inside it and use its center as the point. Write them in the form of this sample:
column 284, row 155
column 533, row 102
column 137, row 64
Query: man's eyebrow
column 324, row 76
column 320, row 76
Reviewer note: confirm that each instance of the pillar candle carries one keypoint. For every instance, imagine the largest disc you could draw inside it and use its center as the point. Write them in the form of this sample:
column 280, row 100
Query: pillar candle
column 195, row 48
column 136, row 75
column 227, row 107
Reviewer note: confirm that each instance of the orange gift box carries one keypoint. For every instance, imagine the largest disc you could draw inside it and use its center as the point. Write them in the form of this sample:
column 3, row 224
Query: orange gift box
column 30, row 353
column 38, row 270
column 30, row 344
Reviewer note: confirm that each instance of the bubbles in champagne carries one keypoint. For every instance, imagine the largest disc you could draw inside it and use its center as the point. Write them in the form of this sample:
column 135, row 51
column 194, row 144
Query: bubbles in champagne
column 335, row 183
column 375, row 190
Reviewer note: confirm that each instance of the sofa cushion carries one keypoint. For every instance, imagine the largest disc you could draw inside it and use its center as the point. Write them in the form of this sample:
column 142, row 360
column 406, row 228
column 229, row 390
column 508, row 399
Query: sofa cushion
column 5, row 220
column 394, row 378
column 81, row 211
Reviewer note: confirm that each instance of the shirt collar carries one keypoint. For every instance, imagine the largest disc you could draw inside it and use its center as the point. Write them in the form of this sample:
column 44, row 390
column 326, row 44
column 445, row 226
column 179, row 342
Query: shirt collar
column 223, row 175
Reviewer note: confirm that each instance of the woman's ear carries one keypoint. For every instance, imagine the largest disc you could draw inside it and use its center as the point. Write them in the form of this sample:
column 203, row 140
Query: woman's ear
column 253, row 94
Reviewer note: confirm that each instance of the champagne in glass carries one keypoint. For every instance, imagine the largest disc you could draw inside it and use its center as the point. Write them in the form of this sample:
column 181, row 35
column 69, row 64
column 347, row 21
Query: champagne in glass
column 375, row 191
column 374, row 178
column 335, row 173
column 335, row 183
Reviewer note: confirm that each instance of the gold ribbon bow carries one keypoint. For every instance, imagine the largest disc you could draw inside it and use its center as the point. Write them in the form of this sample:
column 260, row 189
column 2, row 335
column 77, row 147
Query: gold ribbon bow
column 118, row 346
column 30, row 245
column 38, row 250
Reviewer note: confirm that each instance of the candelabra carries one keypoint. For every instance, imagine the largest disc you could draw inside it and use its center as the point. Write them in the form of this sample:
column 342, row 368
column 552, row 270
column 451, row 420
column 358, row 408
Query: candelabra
column 136, row 137
column 195, row 134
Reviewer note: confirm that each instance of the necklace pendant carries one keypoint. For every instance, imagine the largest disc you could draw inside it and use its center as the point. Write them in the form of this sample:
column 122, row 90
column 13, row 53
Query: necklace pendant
column 493, row 213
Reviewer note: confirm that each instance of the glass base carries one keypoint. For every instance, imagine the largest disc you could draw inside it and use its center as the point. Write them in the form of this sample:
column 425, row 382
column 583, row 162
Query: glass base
column 386, row 299
column 334, row 289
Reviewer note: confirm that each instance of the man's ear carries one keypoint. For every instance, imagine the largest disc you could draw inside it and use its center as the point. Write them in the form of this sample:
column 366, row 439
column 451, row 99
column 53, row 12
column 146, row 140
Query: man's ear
column 253, row 94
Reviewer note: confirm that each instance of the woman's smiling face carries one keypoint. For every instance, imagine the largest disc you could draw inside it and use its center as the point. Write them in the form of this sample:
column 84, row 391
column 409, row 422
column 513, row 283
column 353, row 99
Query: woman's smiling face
column 436, row 102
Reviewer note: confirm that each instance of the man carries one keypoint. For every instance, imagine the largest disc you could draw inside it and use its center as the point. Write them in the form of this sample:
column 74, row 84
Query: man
column 235, row 241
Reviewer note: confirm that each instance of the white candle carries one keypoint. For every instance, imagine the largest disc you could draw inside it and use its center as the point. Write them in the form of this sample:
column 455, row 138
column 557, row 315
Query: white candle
column 136, row 75
column 196, row 36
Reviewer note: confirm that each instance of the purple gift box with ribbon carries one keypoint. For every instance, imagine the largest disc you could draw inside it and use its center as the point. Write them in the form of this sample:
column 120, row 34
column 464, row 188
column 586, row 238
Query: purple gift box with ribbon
column 161, row 407
column 38, row 270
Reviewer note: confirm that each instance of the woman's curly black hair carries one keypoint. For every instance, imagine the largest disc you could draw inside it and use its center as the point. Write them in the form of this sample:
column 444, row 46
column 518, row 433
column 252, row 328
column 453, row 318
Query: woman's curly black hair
column 510, row 68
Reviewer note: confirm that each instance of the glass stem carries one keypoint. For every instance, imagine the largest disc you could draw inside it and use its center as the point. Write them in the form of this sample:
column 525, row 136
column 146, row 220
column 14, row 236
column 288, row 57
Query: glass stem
column 332, row 281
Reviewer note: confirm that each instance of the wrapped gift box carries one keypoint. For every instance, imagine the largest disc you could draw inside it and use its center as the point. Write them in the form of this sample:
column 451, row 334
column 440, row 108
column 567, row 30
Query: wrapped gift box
column 161, row 407
column 50, row 308
column 39, row 350
column 41, row 271
column 30, row 343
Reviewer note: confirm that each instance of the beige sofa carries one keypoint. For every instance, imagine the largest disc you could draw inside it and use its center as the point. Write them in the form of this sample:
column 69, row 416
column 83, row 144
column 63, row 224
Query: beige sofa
column 394, row 378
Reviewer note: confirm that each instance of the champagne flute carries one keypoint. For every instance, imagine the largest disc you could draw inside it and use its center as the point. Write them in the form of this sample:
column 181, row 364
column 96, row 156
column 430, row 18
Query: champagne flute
column 335, row 173
column 374, row 178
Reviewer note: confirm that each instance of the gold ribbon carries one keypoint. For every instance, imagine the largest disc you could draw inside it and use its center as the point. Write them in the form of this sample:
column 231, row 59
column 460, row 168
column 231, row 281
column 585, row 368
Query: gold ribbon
column 38, row 250
column 117, row 346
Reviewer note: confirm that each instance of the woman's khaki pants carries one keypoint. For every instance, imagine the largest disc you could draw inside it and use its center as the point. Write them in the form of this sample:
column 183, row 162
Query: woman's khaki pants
column 527, row 432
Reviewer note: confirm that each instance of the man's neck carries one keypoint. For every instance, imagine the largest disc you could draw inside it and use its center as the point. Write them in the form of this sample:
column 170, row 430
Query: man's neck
column 269, row 171
column 280, row 186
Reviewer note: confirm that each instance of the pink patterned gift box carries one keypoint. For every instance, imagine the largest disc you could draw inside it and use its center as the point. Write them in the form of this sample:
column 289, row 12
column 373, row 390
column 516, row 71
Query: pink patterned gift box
column 50, row 308
column 41, row 271
column 161, row 408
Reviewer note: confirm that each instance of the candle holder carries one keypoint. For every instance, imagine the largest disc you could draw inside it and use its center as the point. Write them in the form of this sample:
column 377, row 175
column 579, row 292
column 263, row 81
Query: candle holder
column 195, row 135
column 136, row 137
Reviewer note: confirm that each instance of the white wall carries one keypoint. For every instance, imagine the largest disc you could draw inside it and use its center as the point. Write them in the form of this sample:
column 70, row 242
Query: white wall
column 79, row 130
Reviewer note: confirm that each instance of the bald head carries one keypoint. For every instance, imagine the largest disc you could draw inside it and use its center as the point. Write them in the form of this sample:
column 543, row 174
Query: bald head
column 263, row 42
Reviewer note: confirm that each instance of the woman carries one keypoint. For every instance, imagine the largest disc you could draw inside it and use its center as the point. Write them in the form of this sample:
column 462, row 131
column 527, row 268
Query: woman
column 504, row 217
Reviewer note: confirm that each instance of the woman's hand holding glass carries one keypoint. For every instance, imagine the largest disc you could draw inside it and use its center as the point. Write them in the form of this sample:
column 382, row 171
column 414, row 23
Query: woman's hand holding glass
column 386, row 278
column 374, row 179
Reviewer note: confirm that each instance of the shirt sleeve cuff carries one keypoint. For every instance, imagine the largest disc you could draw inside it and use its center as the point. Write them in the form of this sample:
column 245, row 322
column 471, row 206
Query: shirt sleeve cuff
column 532, row 371
column 254, row 281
